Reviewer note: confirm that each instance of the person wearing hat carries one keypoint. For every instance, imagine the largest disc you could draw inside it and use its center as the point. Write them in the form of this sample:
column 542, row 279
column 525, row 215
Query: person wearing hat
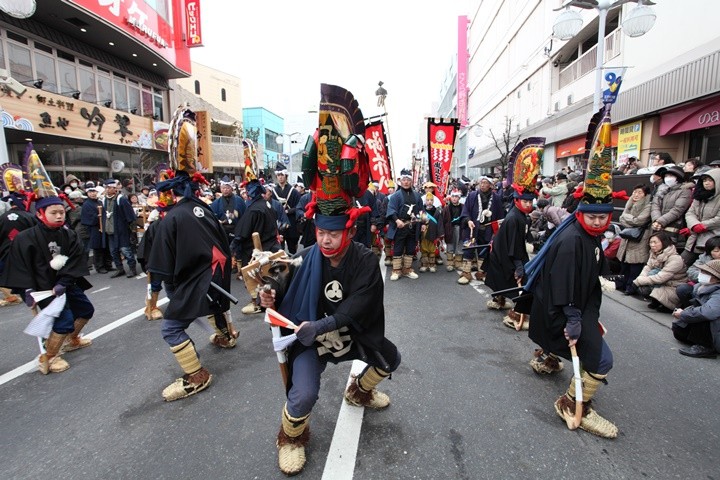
column 189, row 251
column 143, row 195
column 90, row 215
column 14, row 220
column 364, row 224
column 118, row 223
column 336, row 296
column 72, row 182
column 50, row 257
column 558, row 191
column 567, row 293
column 703, row 215
column 259, row 217
column 482, row 208
column 228, row 209
column 383, row 225
column 300, row 186
column 699, row 326
column 505, row 265
column 670, row 203
column 452, row 225
column 288, row 198
column 403, row 207
column 378, row 204
column 306, row 226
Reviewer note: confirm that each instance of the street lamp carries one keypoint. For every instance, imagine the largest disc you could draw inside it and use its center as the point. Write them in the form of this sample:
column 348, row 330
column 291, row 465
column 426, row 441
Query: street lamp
column 568, row 24
column 280, row 140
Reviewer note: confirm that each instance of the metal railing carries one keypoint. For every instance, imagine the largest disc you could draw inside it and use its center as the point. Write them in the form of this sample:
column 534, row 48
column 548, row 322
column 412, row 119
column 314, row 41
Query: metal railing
column 225, row 140
column 586, row 63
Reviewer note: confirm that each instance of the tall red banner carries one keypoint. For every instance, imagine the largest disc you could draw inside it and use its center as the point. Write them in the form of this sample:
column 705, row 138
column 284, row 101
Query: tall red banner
column 193, row 31
column 377, row 152
column 441, row 145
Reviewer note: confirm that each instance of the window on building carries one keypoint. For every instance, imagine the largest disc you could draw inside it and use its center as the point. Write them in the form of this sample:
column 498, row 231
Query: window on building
column 45, row 71
column 158, row 107
column 222, row 95
column 147, row 102
column 197, row 87
column 87, row 85
column 68, row 76
column 20, row 65
column 134, row 100
column 270, row 143
column 121, row 95
column 104, row 88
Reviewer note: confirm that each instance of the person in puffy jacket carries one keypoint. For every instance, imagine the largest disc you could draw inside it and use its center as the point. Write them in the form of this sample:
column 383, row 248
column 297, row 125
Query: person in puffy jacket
column 703, row 217
column 663, row 272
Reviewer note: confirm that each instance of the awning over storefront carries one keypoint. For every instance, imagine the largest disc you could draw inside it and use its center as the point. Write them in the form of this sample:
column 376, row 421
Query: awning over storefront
column 702, row 114
column 576, row 146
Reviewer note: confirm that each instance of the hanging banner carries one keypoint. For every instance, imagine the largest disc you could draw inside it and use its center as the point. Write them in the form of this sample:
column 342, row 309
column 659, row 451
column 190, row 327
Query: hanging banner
column 193, row 32
column 376, row 150
column 463, row 60
column 441, row 145
column 613, row 78
column 204, row 155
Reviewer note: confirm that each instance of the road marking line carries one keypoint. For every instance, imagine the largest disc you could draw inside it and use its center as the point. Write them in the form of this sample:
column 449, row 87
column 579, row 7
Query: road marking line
column 32, row 365
column 340, row 463
column 101, row 289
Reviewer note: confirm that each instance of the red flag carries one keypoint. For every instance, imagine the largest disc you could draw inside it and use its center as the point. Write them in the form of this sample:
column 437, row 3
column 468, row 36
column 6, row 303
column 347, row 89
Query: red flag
column 274, row 318
column 441, row 145
column 376, row 150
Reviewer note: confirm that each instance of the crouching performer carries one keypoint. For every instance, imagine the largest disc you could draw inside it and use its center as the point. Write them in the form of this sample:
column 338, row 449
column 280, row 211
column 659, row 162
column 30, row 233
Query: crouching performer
column 336, row 295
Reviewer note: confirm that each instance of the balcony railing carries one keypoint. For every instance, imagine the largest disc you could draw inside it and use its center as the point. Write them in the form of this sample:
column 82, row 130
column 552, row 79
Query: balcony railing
column 225, row 140
column 586, row 63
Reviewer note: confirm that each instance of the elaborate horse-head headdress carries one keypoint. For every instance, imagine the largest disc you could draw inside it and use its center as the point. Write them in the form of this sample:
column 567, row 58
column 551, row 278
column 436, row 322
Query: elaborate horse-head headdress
column 597, row 193
column 526, row 160
column 16, row 188
column 335, row 166
column 44, row 192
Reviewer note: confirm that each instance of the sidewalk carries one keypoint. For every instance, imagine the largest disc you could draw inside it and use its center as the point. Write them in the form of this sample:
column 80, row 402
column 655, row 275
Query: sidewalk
column 640, row 306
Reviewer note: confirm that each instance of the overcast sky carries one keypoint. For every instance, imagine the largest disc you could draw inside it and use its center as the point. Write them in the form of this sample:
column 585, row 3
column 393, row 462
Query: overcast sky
column 282, row 50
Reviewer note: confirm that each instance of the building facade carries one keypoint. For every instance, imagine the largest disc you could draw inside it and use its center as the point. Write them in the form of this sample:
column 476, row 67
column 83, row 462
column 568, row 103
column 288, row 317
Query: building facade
column 264, row 127
column 521, row 77
column 87, row 81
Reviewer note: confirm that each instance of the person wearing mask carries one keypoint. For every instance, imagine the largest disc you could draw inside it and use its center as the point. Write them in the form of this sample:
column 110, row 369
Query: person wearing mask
column 703, row 217
column 633, row 254
column 670, row 203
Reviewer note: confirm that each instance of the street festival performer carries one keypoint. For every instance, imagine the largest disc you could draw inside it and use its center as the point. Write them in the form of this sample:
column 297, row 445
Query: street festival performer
column 336, row 294
column 509, row 247
column 49, row 259
column 191, row 252
column 564, row 279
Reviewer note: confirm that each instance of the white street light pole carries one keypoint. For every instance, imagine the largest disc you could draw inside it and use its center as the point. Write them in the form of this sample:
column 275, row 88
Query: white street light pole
column 568, row 24
column 280, row 140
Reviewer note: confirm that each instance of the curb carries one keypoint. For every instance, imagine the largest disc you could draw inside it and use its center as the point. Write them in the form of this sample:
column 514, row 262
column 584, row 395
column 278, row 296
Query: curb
column 639, row 306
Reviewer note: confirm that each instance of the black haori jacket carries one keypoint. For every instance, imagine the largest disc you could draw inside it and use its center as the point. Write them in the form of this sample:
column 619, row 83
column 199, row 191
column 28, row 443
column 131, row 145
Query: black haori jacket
column 190, row 250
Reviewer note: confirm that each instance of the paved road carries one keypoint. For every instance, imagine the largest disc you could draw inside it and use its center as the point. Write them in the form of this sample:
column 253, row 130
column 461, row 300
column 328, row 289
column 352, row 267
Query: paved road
column 465, row 403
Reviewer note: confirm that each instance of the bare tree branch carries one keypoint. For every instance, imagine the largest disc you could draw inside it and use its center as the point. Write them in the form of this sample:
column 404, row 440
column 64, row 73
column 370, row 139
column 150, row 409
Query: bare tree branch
column 504, row 145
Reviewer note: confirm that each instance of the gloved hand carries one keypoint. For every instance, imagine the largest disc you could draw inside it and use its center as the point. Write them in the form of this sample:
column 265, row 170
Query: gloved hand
column 519, row 269
column 309, row 330
column 29, row 300
column 685, row 232
column 699, row 228
column 573, row 327
column 58, row 290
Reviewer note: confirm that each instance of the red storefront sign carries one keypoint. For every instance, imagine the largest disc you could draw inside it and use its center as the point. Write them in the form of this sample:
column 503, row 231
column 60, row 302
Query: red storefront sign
column 192, row 24
column 702, row 114
column 141, row 22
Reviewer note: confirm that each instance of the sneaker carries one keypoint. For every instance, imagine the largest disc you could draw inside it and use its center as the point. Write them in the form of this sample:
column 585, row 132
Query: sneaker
column 410, row 274
column 395, row 275
column 423, row 269
column 432, row 269
column 450, row 267
column 187, row 385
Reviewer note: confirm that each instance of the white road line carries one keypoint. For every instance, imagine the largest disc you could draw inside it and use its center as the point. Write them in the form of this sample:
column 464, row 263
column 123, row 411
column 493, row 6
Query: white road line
column 340, row 463
column 32, row 365
column 101, row 289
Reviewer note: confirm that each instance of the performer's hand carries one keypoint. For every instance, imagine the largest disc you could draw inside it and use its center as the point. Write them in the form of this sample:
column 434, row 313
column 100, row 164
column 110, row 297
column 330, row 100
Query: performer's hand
column 685, row 232
column 519, row 273
column 306, row 333
column 399, row 223
column 573, row 327
column 471, row 224
column 29, row 300
column 59, row 290
column 423, row 228
column 373, row 229
column 699, row 228
column 267, row 299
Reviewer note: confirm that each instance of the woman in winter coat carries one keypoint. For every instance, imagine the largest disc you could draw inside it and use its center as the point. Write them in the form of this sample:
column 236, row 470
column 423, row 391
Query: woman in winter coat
column 703, row 218
column 664, row 271
column 634, row 254
column 685, row 290
column 670, row 203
